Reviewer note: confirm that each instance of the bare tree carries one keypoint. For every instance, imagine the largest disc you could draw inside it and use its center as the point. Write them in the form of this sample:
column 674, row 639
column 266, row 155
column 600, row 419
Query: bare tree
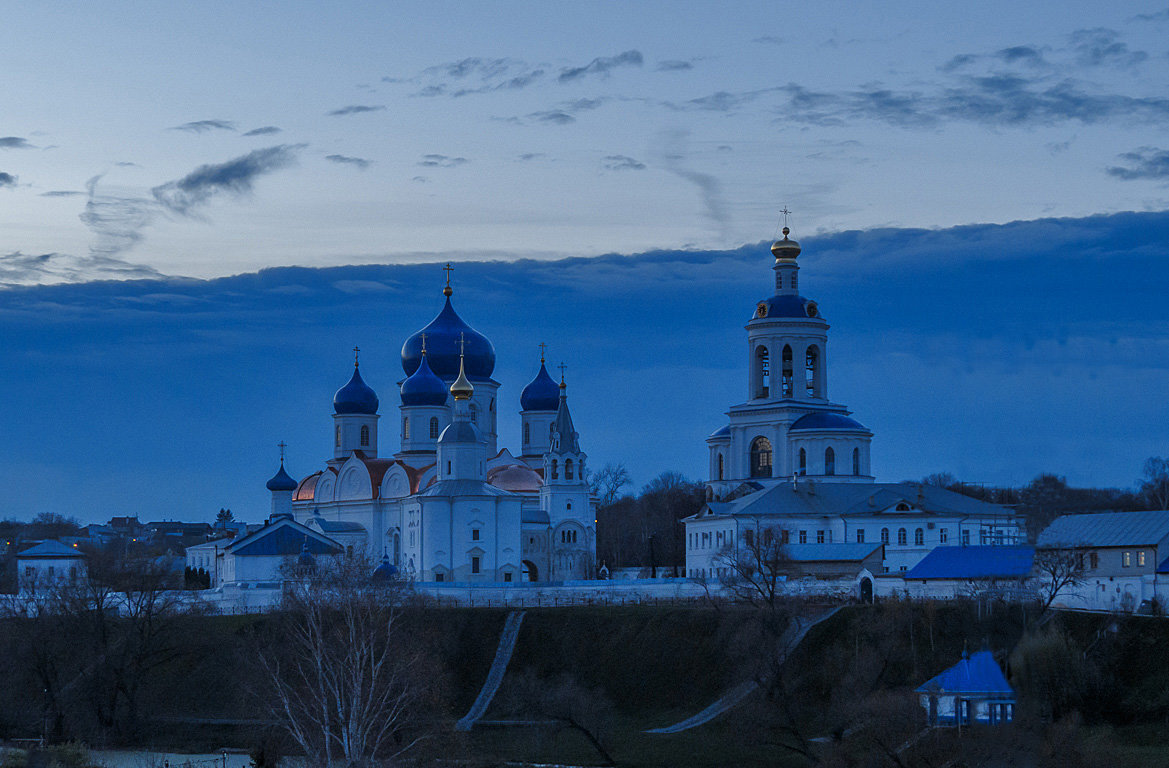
column 757, row 567
column 606, row 484
column 1057, row 568
column 344, row 678
column 1154, row 484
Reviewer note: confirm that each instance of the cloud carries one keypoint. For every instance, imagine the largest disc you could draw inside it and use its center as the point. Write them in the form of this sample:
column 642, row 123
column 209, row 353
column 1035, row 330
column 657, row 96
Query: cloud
column 673, row 149
column 7, row 180
column 1158, row 16
column 357, row 162
column 724, row 101
column 1021, row 54
column 476, row 75
column 552, row 116
column 127, row 164
column 203, row 126
column 621, row 163
column 768, row 40
column 234, row 177
column 1143, row 163
column 442, row 161
column 14, row 142
column 267, row 130
column 27, row 269
column 1100, row 46
column 62, row 193
column 355, row 109
column 674, row 65
column 529, row 156
column 601, row 66
column 420, row 179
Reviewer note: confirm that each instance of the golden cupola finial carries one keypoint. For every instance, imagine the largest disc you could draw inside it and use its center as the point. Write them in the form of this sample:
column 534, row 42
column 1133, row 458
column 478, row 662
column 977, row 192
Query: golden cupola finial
column 462, row 389
column 785, row 248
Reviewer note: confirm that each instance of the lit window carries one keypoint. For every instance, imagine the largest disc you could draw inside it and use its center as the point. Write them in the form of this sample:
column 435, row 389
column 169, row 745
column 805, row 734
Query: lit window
column 1126, row 559
column 1140, row 558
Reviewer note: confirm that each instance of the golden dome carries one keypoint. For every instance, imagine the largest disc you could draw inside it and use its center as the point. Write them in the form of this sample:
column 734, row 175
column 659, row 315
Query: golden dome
column 462, row 389
column 785, row 248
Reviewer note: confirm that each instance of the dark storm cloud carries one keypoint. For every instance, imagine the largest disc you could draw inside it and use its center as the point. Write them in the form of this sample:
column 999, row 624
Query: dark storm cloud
column 14, row 142
column 355, row 109
column 621, row 163
column 27, row 269
column 267, row 130
column 1143, row 163
column 601, row 66
column 7, row 180
column 442, row 161
column 62, row 193
column 234, row 177
column 203, row 126
column 357, row 162
column 1100, row 46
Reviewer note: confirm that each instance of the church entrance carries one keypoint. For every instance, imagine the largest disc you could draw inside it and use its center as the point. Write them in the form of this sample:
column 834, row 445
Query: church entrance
column 529, row 571
column 866, row 590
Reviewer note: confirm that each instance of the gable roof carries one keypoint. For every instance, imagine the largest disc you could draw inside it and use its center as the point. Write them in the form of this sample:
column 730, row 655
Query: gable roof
column 50, row 549
column 974, row 563
column 978, row 673
column 1107, row 529
column 284, row 537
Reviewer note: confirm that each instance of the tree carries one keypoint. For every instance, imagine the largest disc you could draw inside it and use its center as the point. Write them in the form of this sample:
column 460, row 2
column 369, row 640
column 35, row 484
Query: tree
column 344, row 678
column 568, row 703
column 607, row 483
column 223, row 517
column 1058, row 568
column 1154, row 483
column 757, row 567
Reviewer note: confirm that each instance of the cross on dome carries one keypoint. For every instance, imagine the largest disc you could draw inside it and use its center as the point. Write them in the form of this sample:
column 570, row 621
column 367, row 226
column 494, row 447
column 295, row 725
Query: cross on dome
column 542, row 347
column 281, row 445
column 447, row 268
column 356, row 361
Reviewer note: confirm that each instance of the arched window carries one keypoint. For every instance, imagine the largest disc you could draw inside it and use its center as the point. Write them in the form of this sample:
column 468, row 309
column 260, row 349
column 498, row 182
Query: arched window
column 527, row 433
column 433, row 427
column 763, row 372
column 786, row 385
column 364, row 435
column 474, row 414
column 778, row 281
column 555, row 470
column 884, row 535
column 829, row 461
column 795, row 280
column 856, row 461
column 761, row 457
column 337, row 436
column 568, row 469
column 919, row 537
column 720, row 466
column 803, row 462
column 812, row 371
column 405, row 427
column 901, row 536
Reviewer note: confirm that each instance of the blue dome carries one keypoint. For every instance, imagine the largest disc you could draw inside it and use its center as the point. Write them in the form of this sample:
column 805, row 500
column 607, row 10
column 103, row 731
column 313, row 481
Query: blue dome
column 423, row 387
column 788, row 305
column 305, row 559
column 724, row 432
column 385, row 571
column 355, row 397
column 281, row 481
column 542, row 394
column 442, row 348
column 821, row 420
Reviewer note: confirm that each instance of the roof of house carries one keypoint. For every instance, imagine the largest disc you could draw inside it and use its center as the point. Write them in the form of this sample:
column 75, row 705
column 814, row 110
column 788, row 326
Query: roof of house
column 284, row 537
column 805, row 498
column 976, row 673
column 974, row 563
column 49, row 549
column 821, row 553
column 1107, row 529
column 464, row 488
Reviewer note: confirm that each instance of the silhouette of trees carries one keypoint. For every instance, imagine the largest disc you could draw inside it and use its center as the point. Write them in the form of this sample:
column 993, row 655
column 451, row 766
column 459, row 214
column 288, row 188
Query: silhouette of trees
column 1154, row 483
column 646, row 531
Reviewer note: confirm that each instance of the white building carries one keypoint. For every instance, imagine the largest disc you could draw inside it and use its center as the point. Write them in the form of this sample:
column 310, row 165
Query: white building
column 48, row 565
column 792, row 463
column 449, row 504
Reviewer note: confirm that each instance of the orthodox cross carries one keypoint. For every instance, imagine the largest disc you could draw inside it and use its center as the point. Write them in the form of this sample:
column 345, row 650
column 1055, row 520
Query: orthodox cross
column 562, row 368
column 448, row 269
column 355, row 351
column 282, row 446
column 542, row 347
column 462, row 343
column 423, row 335
column 785, row 213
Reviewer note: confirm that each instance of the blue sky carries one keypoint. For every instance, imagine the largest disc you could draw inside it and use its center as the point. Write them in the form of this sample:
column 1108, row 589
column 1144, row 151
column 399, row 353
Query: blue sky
column 958, row 173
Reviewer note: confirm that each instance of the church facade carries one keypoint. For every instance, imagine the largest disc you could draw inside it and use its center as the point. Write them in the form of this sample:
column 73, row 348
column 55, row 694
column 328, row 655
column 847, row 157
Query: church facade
column 794, row 466
column 449, row 505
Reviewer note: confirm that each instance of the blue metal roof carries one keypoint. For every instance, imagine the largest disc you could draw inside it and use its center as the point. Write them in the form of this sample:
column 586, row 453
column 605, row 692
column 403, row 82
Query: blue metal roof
column 723, row 432
column 442, row 348
column 810, row 553
column 534, row 516
column 820, row 420
column 974, row 563
column 786, row 305
column 355, row 397
column 423, row 387
column 542, row 394
column 285, row 537
column 281, row 481
column 1107, row 529
column 49, row 549
column 978, row 673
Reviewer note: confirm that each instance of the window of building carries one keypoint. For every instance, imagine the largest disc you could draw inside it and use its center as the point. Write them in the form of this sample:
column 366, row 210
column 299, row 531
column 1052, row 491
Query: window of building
column 364, row 435
column 555, row 470
column 749, row 537
column 1141, row 558
column 720, row 466
column 763, row 372
column 474, row 414
column 448, row 468
column 884, row 535
column 337, row 436
column 439, row 576
column 803, row 462
column 568, row 469
column 812, row 370
column 405, row 427
column 966, row 538
column 902, row 537
column 1094, row 560
column 856, row 461
column 433, row 427
column 527, row 433
column 860, row 535
column 1126, row 559
column 943, row 535
column 795, row 280
column 761, row 457
column 803, row 537
column 784, row 537
column 786, row 384
column 903, row 568
column 568, row 506
column 829, row 461
column 474, row 565
column 819, row 537
column 507, row 576
column 919, row 537
column 474, row 534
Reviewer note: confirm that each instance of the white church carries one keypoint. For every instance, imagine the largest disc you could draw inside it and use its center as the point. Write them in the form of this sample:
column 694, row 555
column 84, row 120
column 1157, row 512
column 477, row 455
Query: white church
column 792, row 464
column 449, row 505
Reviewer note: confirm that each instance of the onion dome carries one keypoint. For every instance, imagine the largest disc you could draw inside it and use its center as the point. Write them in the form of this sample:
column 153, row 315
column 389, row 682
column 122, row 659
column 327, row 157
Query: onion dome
column 305, row 560
column 355, row 397
column 786, row 305
column 785, row 248
column 442, row 348
column 822, row 420
column 281, row 481
column 385, row 571
column 422, row 387
column 541, row 394
column 515, row 477
column 462, row 389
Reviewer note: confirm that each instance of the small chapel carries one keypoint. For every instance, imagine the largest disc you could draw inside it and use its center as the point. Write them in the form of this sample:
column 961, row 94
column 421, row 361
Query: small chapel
column 450, row 505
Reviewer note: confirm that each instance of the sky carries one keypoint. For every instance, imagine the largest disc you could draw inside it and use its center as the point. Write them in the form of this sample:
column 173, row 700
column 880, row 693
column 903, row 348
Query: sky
column 204, row 207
